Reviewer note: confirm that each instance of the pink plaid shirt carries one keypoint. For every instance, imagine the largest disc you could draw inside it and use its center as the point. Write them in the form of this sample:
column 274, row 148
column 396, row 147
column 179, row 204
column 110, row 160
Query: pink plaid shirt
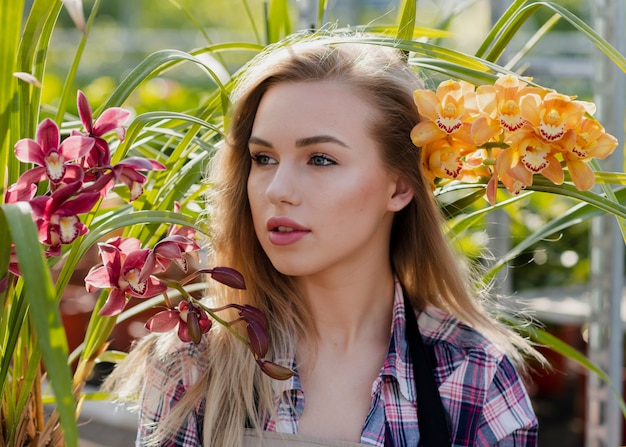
column 486, row 402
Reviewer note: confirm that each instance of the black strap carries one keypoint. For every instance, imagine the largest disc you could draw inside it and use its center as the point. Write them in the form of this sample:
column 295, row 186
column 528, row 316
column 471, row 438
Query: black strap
column 431, row 416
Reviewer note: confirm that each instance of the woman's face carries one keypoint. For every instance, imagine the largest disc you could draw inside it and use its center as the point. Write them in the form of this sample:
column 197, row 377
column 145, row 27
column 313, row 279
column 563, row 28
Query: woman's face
column 321, row 200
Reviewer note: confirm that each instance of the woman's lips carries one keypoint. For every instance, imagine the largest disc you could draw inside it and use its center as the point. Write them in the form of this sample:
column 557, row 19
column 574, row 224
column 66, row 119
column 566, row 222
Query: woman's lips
column 285, row 231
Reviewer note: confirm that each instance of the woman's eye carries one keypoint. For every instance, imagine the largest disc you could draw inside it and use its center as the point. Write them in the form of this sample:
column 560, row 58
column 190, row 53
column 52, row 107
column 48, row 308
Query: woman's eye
column 321, row 160
column 262, row 160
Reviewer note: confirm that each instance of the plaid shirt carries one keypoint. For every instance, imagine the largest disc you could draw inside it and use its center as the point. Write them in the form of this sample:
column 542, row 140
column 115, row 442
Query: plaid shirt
column 483, row 395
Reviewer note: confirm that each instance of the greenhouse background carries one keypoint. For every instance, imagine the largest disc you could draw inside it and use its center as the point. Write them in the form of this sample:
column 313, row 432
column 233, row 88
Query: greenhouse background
column 571, row 282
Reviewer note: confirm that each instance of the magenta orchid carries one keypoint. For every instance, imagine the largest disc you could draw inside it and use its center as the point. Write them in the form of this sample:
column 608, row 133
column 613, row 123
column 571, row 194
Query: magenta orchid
column 126, row 172
column 123, row 261
column 52, row 157
column 56, row 216
column 78, row 172
column 111, row 120
column 191, row 319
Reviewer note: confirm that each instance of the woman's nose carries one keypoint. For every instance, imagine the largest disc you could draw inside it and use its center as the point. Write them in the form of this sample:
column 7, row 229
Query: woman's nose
column 283, row 187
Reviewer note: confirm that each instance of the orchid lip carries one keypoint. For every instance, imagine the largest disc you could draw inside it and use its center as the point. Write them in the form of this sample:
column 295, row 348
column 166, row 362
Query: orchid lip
column 284, row 225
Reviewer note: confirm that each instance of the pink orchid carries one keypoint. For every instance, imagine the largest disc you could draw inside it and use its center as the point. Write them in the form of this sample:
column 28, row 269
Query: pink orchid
column 122, row 262
column 171, row 248
column 178, row 243
column 111, row 120
column 56, row 216
column 53, row 158
column 192, row 321
column 127, row 172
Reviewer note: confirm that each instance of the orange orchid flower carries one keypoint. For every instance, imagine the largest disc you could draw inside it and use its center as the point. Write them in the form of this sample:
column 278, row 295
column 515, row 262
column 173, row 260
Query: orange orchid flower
column 590, row 141
column 443, row 158
column 448, row 111
column 502, row 101
column 554, row 114
column 537, row 156
column 507, row 162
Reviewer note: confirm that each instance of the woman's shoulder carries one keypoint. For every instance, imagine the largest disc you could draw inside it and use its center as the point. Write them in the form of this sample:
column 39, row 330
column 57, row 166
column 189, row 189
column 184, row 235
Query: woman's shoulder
column 443, row 330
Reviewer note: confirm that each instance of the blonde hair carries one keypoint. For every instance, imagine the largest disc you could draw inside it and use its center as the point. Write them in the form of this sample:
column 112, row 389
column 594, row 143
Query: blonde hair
column 420, row 253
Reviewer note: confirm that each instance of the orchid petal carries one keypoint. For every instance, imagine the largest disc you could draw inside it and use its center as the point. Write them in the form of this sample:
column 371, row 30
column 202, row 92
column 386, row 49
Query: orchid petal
column 163, row 321
column 554, row 171
column 20, row 193
column 76, row 147
column 110, row 119
column 99, row 278
column 114, row 304
column 581, row 174
column 75, row 10
column 29, row 151
column 426, row 132
column 144, row 164
column 84, row 111
column 48, row 136
column 427, row 103
column 83, row 203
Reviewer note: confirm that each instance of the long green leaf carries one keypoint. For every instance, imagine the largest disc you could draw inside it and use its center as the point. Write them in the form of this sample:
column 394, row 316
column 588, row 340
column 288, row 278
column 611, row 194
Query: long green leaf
column 497, row 28
column 522, row 15
column 10, row 27
column 406, row 22
column 546, row 339
column 41, row 297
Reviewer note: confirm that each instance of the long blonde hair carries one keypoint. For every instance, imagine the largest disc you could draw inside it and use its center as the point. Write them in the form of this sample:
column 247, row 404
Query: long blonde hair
column 420, row 253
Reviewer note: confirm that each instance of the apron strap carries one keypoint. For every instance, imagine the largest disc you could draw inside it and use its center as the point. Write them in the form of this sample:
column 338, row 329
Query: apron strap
column 431, row 416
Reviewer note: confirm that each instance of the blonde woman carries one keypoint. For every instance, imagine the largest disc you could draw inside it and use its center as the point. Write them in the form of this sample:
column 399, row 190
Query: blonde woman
column 321, row 203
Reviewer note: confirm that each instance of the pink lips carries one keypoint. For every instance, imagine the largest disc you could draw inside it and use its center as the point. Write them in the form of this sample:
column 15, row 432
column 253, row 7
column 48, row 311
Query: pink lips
column 284, row 231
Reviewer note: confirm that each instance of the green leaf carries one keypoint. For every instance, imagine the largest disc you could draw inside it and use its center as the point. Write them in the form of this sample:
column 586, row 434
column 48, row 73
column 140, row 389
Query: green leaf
column 406, row 23
column 520, row 16
column 41, row 297
column 546, row 339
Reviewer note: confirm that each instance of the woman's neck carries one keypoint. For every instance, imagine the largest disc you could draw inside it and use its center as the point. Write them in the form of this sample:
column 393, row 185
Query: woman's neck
column 348, row 310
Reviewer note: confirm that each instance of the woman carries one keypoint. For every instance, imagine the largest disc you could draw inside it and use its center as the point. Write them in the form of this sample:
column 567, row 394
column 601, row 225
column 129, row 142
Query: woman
column 321, row 203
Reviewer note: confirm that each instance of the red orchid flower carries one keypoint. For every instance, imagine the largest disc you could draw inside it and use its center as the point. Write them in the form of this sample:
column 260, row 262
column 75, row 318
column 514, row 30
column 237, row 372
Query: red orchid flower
column 56, row 216
column 53, row 158
column 127, row 172
column 122, row 262
column 177, row 244
column 171, row 248
column 192, row 321
column 111, row 120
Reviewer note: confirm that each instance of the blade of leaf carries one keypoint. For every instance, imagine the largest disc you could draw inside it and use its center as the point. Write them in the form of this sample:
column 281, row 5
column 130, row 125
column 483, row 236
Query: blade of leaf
column 406, row 23
column 40, row 294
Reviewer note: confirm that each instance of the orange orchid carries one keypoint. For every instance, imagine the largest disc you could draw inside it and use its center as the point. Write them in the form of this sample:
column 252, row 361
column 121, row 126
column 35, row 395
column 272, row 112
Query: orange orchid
column 502, row 101
column 448, row 111
column 443, row 158
column 537, row 156
column 591, row 141
column 554, row 114
column 507, row 163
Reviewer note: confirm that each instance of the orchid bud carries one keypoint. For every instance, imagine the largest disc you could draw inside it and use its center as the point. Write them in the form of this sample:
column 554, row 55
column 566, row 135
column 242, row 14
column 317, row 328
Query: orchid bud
column 274, row 370
column 227, row 276
column 193, row 328
column 258, row 339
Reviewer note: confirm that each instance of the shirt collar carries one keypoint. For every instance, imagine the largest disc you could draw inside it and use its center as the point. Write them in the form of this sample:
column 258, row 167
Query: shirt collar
column 397, row 365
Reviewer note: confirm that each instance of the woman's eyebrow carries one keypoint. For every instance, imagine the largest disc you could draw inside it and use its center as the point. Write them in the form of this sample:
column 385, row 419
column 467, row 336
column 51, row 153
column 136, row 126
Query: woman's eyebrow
column 301, row 142
column 316, row 139
column 259, row 142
